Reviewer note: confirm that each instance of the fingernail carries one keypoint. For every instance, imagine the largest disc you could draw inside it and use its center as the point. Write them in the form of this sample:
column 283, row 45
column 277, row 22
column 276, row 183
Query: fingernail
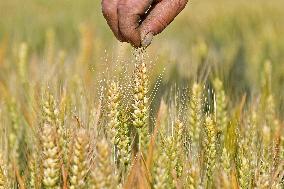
column 147, row 40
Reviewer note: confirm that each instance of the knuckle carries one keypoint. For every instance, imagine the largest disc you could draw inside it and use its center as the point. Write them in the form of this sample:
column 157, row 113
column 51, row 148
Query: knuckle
column 161, row 23
column 108, row 8
column 123, row 5
column 182, row 3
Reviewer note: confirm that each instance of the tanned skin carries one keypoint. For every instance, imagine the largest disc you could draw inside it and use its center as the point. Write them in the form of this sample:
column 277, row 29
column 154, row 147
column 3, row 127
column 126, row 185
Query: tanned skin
column 137, row 21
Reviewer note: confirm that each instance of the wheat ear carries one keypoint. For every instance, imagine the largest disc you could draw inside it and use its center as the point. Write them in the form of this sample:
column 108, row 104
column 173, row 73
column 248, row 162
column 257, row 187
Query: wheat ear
column 113, row 96
column 3, row 179
column 51, row 161
column 210, row 150
column 195, row 115
column 103, row 174
column 79, row 162
column 140, row 104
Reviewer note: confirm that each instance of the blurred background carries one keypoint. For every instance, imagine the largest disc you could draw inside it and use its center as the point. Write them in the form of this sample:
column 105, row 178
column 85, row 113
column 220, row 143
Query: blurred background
column 225, row 38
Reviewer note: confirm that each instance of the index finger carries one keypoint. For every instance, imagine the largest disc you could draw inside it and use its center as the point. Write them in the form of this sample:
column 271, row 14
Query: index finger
column 160, row 16
column 109, row 9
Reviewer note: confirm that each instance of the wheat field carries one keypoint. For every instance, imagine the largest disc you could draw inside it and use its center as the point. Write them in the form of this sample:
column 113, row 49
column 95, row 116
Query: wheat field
column 202, row 107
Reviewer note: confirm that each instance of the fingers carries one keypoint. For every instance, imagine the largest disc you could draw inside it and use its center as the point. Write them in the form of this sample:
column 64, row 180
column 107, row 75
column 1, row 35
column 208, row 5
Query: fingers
column 109, row 9
column 130, row 23
column 130, row 13
column 160, row 16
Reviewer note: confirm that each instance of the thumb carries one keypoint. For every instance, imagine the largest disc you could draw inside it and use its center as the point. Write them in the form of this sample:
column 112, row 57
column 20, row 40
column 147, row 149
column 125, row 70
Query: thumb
column 130, row 13
column 159, row 17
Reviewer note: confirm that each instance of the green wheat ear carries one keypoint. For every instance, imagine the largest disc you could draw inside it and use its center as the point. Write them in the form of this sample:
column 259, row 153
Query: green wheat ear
column 221, row 116
column 172, row 150
column 32, row 173
column 86, row 45
column 123, row 142
column 244, row 169
column 14, row 132
column 3, row 179
column 113, row 104
column 34, row 168
column 282, row 147
column 195, row 115
column 140, row 104
column 49, row 46
column 192, row 174
column 22, row 61
column 226, row 161
column 79, row 160
column 172, row 159
column 210, row 149
column 267, row 114
column 178, row 140
column 161, row 174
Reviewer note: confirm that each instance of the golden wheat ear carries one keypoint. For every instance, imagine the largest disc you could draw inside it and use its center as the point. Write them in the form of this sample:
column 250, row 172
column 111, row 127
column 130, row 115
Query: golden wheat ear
column 79, row 160
column 140, row 105
column 51, row 157
column 103, row 174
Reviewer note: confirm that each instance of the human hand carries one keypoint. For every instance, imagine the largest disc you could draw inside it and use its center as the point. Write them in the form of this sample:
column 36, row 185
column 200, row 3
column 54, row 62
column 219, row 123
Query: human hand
column 137, row 21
